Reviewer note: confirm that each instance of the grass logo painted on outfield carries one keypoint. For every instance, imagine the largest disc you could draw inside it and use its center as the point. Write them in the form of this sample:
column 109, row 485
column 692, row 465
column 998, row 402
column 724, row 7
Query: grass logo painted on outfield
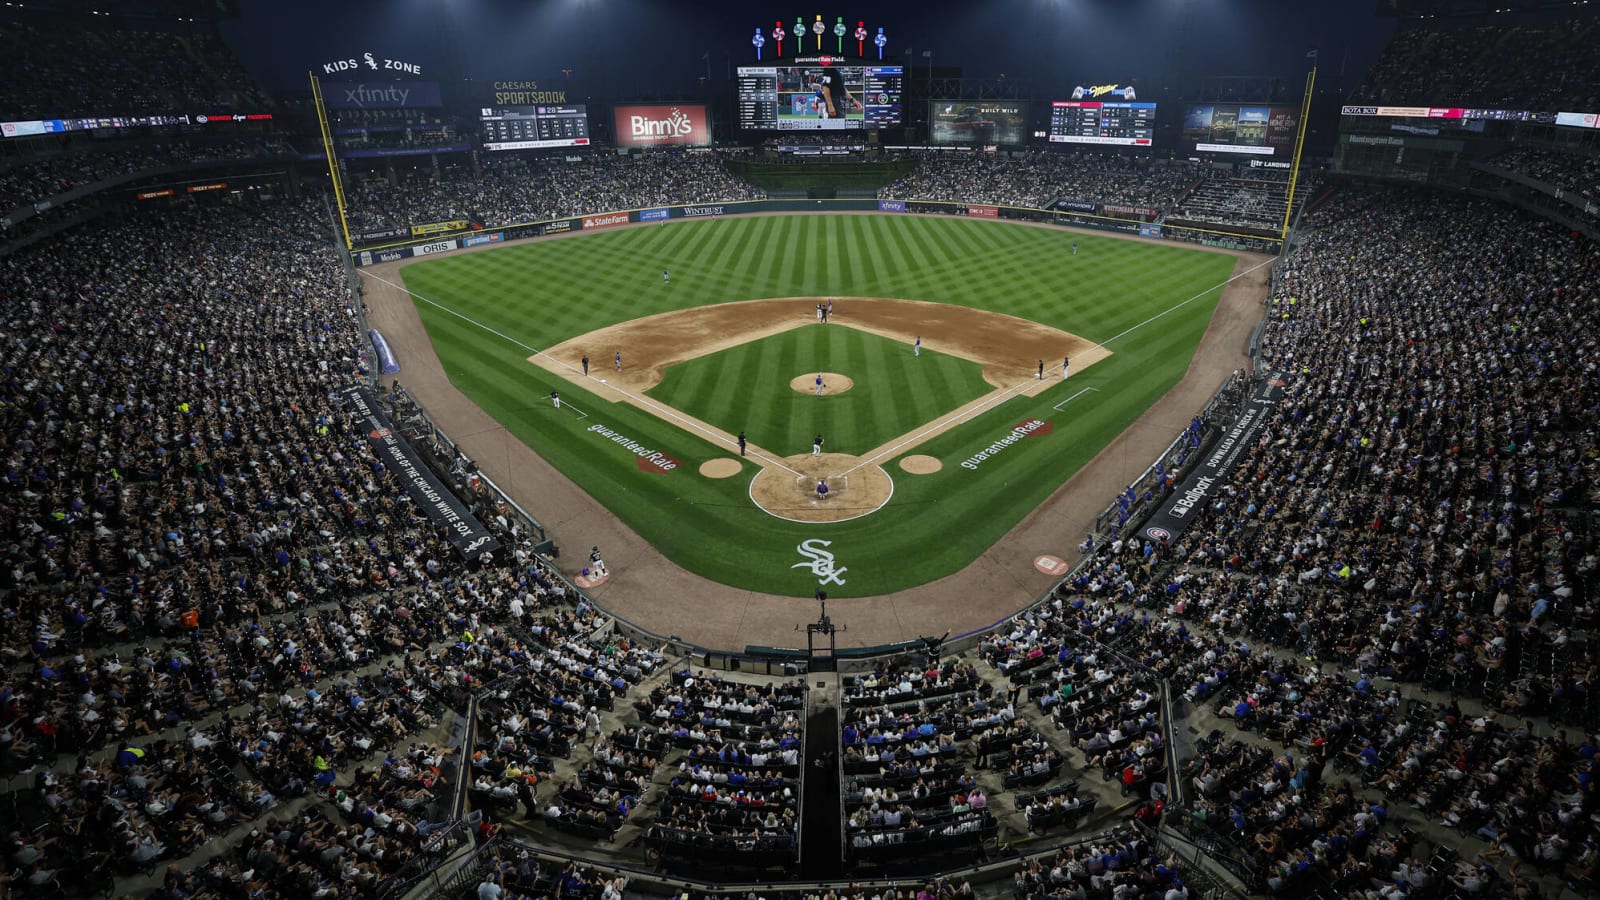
column 1024, row 429
column 652, row 461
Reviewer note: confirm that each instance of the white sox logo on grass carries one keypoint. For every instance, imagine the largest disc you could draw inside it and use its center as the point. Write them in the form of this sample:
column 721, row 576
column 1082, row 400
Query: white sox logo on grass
column 821, row 561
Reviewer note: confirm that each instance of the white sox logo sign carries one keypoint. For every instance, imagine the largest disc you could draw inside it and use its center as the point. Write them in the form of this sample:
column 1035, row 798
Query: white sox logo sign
column 821, row 564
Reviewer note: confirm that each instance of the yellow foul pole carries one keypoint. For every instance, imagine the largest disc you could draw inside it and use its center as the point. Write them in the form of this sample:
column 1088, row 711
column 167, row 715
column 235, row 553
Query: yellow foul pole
column 333, row 162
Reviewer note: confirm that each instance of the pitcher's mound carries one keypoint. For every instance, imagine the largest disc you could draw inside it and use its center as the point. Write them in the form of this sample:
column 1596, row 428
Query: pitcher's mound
column 720, row 468
column 918, row 464
column 832, row 383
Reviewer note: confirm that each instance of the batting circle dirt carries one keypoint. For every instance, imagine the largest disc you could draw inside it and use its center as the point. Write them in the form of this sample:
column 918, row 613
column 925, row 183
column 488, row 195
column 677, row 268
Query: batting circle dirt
column 720, row 468
column 788, row 490
column 832, row 383
column 918, row 464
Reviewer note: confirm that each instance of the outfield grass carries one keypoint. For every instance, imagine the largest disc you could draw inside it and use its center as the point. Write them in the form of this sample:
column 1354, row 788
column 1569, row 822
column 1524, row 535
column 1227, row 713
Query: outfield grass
column 747, row 389
column 536, row 294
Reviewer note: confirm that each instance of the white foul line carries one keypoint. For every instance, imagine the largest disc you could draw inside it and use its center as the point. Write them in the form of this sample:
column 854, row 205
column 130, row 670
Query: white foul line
column 663, row 411
column 1074, row 397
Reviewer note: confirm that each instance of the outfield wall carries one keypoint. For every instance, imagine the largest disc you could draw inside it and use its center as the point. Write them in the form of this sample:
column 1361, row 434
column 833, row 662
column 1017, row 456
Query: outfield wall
column 1125, row 220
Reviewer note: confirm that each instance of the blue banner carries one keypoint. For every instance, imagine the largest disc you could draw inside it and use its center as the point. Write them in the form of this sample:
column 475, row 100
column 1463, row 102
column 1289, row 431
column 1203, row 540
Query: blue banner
column 477, row 239
column 654, row 215
column 891, row 206
column 381, row 94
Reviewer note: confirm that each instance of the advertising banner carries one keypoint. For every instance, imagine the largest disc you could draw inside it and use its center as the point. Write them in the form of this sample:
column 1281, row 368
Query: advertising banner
column 380, row 234
column 891, row 206
column 1241, row 128
column 1117, row 209
column 605, row 220
column 1076, row 205
column 1151, row 231
column 654, row 215
column 480, row 239
column 983, row 212
column 561, row 227
column 443, row 508
column 677, row 125
column 1214, row 470
column 373, row 257
column 695, row 212
column 435, row 247
column 977, row 121
column 439, row 227
column 381, row 94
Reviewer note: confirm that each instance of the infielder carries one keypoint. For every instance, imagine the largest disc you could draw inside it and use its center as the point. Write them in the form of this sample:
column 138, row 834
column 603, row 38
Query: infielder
column 586, row 365
column 1041, row 370
column 619, row 360
column 816, row 445
column 916, row 348
column 1065, row 361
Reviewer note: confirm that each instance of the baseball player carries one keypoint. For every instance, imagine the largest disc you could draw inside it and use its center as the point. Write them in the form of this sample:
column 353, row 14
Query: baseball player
column 619, row 360
column 741, row 443
column 1065, row 361
column 586, row 365
column 916, row 348
column 1074, row 248
column 833, row 93
column 598, row 563
column 819, row 312
column 666, row 277
column 822, row 488
column 1041, row 370
column 830, row 307
column 819, row 385
column 816, row 445
column 555, row 397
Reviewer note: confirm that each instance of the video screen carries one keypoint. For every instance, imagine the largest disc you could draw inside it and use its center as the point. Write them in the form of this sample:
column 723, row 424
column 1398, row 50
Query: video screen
column 797, row 98
column 976, row 122
column 1241, row 128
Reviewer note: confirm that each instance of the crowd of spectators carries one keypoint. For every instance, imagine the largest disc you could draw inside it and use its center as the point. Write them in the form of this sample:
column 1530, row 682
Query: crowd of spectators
column 24, row 181
column 1035, row 179
column 59, row 68
column 513, row 189
column 1486, row 66
column 1407, row 516
column 1576, row 172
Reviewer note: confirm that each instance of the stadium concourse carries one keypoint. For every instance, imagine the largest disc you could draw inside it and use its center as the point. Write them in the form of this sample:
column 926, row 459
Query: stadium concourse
column 235, row 649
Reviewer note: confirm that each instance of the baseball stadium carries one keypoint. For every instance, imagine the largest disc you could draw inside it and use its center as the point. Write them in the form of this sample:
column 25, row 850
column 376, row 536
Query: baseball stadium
column 462, row 448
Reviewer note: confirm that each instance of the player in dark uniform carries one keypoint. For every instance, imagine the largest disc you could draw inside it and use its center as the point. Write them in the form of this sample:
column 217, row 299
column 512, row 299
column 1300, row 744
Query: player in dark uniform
column 836, row 98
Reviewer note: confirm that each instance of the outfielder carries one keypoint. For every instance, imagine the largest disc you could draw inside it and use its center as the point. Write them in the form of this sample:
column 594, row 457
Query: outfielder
column 555, row 397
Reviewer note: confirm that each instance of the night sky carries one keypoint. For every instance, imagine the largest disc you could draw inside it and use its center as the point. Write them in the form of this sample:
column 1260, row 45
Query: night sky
column 622, row 49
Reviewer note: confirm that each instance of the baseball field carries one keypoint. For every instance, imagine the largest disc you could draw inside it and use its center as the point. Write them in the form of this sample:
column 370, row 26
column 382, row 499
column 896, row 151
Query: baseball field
column 930, row 454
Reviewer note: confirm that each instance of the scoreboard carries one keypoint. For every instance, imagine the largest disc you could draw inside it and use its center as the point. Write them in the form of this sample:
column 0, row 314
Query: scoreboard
column 785, row 98
column 529, row 127
column 1128, row 124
